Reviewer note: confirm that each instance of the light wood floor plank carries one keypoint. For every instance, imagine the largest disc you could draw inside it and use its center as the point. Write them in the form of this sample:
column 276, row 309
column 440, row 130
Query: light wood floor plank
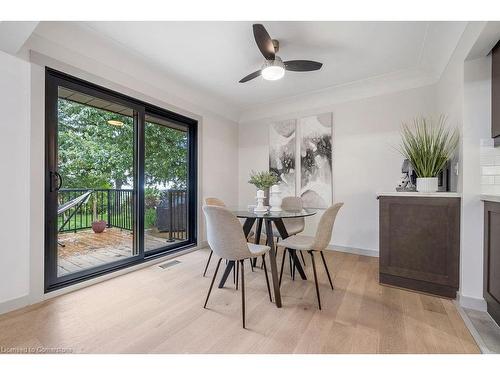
column 157, row 310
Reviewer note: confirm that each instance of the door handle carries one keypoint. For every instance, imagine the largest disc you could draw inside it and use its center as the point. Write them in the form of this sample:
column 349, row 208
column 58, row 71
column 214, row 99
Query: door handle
column 59, row 178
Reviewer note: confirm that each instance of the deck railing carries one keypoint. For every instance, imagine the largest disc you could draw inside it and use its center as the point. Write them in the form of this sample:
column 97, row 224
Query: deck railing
column 115, row 206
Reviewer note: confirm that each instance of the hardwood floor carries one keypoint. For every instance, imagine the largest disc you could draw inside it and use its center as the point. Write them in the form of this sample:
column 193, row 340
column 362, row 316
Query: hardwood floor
column 157, row 310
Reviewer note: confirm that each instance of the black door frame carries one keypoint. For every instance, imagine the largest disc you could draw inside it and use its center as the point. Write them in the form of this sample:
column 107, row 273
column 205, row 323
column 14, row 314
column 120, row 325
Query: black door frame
column 55, row 79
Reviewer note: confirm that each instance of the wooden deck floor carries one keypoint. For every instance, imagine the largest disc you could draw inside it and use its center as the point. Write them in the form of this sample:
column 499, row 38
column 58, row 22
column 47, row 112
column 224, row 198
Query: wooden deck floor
column 86, row 249
column 160, row 310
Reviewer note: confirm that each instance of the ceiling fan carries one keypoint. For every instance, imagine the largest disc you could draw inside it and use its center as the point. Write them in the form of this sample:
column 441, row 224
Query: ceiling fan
column 274, row 68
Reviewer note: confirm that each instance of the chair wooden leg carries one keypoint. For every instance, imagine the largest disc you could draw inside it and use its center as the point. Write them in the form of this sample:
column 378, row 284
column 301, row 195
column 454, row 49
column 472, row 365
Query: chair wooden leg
column 212, row 283
column 243, row 292
column 252, row 261
column 237, row 266
column 282, row 265
column 302, row 256
column 326, row 268
column 208, row 262
column 292, row 265
column 315, row 278
column 267, row 277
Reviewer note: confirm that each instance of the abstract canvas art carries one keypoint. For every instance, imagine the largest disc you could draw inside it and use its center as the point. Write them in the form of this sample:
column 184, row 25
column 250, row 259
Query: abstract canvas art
column 316, row 160
column 282, row 154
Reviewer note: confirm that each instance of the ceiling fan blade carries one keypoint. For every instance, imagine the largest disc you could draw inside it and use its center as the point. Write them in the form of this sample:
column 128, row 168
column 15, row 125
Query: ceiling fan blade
column 264, row 41
column 250, row 76
column 302, row 65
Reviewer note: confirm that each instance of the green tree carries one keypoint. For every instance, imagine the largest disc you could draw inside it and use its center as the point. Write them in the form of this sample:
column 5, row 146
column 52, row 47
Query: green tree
column 95, row 154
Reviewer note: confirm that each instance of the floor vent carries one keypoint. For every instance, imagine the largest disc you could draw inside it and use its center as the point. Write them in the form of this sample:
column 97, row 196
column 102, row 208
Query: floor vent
column 169, row 264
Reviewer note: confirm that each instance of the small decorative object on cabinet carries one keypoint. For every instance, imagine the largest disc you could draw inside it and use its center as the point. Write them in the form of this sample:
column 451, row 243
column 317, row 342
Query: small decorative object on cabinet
column 263, row 181
column 275, row 199
column 420, row 241
column 428, row 145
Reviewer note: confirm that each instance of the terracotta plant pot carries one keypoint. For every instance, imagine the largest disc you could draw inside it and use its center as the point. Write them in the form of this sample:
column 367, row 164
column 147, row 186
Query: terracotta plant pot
column 99, row 226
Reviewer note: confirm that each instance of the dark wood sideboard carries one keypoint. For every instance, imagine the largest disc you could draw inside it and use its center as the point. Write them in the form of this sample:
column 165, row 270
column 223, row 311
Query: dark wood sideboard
column 420, row 243
column 495, row 94
column 491, row 281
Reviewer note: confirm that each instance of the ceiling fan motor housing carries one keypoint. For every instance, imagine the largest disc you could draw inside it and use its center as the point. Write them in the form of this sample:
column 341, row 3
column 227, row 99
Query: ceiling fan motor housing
column 276, row 62
column 276, row 45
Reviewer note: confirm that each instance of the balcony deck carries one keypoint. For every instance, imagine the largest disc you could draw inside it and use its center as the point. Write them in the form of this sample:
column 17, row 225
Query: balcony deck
column 86, row 249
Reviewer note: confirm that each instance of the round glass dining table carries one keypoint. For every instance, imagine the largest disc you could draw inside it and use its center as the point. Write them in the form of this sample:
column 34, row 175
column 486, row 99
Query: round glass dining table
column 266, row 219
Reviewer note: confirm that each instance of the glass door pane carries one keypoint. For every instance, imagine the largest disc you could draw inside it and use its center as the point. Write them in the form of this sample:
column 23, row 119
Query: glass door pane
column 95, row 166
column 165, row 184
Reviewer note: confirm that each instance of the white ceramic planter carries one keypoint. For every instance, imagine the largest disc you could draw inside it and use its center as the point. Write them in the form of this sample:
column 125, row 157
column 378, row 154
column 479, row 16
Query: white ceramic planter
column 427, row 184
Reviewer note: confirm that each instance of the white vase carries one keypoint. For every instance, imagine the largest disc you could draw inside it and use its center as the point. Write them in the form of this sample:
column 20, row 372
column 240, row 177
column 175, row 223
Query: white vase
column 427, row 184
column 260, row 202
column 275, row 198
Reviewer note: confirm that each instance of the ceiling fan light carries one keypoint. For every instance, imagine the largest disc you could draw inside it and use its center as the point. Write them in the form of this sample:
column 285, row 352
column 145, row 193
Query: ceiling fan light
column 273, row 73
column 273, row 69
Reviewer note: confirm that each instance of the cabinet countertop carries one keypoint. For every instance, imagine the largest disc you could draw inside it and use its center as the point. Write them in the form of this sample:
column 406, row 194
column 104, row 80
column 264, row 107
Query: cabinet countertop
column 444, row 194
column 490, row 198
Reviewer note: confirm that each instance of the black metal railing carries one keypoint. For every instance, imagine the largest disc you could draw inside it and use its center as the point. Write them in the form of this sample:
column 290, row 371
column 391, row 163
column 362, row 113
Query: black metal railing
column 116, row 207
column 171, row 214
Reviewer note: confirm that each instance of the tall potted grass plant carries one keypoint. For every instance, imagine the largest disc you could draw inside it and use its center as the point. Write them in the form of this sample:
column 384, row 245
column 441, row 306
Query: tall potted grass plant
column 428, row 144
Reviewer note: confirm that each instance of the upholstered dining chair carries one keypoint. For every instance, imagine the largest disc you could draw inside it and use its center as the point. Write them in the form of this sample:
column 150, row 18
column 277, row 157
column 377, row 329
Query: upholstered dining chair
column 317, row 243
column 293, row 225
column 227, row 240
column 212, row 201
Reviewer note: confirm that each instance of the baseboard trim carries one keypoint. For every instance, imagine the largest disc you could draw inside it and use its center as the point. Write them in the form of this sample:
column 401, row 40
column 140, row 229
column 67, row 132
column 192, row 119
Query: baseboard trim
column 24, row 301
column 14, row 304
column 354, row 250
column 472, row 303
column 473, row 331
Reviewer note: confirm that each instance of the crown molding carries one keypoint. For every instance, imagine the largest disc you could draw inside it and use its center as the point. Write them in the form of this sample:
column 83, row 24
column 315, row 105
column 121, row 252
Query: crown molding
column 366, row 88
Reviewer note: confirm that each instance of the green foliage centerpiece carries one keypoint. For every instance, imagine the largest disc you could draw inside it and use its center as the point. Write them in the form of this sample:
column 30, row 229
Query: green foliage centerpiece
column 263, row 181
column 428, row 145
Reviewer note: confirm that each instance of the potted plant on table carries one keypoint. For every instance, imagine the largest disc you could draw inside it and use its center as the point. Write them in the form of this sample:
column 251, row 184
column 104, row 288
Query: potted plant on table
column 428, row 145
column 263, row 181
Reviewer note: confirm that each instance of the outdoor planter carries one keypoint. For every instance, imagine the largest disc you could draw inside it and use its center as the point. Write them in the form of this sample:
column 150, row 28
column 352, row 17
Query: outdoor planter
column 99, row 226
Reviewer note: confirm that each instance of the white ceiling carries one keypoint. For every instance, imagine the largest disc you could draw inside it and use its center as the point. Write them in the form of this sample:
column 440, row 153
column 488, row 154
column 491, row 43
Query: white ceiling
column 213, row 56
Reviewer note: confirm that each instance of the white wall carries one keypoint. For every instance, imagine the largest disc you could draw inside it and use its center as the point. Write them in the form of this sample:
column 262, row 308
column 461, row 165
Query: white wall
column 366, row 161
column 476, row 126
column 14, row 172
column 22, row 251
column 462, row 93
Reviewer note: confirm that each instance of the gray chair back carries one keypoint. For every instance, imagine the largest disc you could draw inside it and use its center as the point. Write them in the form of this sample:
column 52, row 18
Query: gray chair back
column 293, row 204
column 325, row 227
column 225, row 234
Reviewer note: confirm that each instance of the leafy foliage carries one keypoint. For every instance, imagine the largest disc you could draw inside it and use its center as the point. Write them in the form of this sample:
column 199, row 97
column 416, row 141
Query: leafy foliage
column 263, row 180
column 94, row 154
column 428, row 145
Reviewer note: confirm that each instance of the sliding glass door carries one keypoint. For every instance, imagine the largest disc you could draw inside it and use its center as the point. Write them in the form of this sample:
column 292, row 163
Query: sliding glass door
column 166, row 181
column 120, row 181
